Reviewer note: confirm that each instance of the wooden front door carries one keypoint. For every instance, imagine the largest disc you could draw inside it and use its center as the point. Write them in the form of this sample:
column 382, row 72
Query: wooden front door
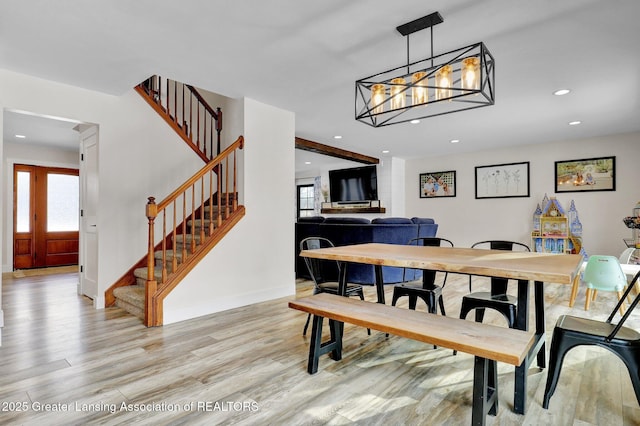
column 46, row 216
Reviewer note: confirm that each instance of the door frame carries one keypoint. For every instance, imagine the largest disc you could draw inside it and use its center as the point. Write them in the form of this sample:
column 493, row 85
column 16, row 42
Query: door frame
column 8, row 231
column 88, row 224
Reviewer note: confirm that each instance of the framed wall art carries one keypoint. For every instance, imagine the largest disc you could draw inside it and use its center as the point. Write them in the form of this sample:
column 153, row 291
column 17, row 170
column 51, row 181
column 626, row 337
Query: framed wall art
column 438, row 184
column 588, row 174
column 502, row 180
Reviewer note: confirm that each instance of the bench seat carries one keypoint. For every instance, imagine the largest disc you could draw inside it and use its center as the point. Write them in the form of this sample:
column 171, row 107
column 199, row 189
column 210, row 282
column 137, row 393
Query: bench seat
column 487, row 343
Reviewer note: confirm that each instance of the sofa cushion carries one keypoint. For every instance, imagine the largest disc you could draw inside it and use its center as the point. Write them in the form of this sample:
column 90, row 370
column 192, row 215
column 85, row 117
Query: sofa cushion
column 392, row 220
column 311, row 219
column 346, row 220
column 426, row 220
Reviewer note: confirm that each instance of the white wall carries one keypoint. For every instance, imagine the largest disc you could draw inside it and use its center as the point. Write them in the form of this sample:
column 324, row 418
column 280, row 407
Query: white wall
column 1, row 221
column 26, row 154
column 254, row 262
column 465, row 220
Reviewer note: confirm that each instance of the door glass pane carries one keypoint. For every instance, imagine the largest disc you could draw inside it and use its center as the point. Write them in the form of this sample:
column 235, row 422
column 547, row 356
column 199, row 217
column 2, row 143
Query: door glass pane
column 23, row 181
column 63, row 202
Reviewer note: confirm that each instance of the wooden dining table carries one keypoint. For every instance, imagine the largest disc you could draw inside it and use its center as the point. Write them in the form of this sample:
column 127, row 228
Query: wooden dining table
column 521, row 266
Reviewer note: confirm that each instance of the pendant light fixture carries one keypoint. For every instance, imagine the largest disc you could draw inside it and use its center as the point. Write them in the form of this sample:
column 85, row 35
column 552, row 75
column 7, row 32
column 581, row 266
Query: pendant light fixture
column 455, row 81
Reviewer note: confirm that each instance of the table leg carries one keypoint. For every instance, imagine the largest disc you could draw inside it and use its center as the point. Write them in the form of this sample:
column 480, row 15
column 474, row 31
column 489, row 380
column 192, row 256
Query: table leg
column 540, row 321
column 379, row 283
column 522, row 323
column 522, row 319
column 537, row 349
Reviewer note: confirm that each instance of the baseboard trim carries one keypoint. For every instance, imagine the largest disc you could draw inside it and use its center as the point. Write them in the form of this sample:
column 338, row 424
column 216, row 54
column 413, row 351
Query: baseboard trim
column 224, row 304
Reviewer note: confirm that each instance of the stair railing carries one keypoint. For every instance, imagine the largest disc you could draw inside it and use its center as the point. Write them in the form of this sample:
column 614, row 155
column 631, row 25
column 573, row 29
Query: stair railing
column 215, row 187
column 188, row 113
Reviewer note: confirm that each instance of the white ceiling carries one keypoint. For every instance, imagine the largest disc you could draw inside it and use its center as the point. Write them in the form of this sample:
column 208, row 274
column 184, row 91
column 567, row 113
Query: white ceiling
column 304, row 56
column 42, row 131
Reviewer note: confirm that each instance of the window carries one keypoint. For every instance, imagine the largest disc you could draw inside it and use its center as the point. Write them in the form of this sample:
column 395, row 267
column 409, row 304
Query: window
column 63, row 202
column 306, row 201
column 23, row 201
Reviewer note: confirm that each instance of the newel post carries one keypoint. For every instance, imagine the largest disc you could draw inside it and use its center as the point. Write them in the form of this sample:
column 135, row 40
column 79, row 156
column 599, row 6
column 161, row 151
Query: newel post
column 150, row 311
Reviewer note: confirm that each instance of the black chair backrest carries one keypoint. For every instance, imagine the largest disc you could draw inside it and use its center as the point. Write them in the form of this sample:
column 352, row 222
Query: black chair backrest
column 320, row 270
column 629, row 310
column 499, row 285
column 502, row 245
column 428, row 276
column 429, row 241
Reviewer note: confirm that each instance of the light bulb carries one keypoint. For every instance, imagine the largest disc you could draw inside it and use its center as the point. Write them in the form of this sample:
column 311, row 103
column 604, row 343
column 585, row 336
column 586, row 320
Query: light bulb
column 377, row 98
column 443, row 82
column 470, row 78
column 397, row 93
column 419, row 93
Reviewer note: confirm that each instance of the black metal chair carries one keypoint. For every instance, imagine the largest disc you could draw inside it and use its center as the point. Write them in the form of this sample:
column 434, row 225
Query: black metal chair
column 325, row 273
column 426, row 288
column 497, row 298
column 571, row 331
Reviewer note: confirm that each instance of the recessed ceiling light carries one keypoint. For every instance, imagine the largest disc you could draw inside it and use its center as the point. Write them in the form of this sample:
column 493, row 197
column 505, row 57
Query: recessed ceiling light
column 574, row 123
column 307, row 162
column 561, row 92
column 20, row 136
column 414, row 121
column 455, row 140
column 386, row 151
column 337, row 137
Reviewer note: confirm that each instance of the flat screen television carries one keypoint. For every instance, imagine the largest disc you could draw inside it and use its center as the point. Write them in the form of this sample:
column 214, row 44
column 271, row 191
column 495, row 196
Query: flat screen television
column 353, row 185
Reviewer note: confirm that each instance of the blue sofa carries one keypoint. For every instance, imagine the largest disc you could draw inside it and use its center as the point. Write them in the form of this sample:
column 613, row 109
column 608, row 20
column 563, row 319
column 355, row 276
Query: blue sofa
column 348, row 230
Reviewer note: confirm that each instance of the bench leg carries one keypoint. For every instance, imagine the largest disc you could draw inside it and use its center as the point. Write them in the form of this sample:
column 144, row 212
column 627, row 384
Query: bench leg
column 317, row 348
column 336, row 328
column 485, row 390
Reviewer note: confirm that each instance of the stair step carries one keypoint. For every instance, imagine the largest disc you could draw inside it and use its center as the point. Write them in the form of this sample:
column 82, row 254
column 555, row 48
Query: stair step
column 186, row 239
column 142, row 273
column 169, row 255
column 131, row 299
column 199, row 223
column 168, row 259
column 212, row 211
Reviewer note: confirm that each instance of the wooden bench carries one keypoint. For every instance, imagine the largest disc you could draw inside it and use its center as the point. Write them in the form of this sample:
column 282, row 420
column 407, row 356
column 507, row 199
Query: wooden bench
column 486, row 342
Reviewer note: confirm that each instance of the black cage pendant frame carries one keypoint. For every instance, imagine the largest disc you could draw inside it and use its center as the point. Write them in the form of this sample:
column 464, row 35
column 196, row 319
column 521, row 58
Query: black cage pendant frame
column 393, row 102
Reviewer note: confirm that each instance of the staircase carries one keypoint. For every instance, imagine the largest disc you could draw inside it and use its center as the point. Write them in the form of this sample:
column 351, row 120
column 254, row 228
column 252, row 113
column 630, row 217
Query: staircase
column 194, row 217
column 132, row 297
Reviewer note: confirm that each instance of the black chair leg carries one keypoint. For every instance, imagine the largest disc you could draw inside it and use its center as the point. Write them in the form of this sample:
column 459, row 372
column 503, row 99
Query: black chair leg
column 441, row 303
column 631, row 359
column 413, row 300
column 479, row 314
column 396, row 296
column 559, row 348
column 361, row 294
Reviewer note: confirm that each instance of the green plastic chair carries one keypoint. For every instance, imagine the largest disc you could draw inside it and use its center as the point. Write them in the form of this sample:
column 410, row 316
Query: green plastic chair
column 603, row 273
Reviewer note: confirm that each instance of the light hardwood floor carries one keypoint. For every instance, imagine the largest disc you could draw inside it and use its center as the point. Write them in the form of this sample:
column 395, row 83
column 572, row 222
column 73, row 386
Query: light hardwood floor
column 248, row 366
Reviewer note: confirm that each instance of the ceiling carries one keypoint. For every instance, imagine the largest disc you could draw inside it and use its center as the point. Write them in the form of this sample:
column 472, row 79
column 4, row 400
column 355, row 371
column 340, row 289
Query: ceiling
column 51, row 132
column 305, row 57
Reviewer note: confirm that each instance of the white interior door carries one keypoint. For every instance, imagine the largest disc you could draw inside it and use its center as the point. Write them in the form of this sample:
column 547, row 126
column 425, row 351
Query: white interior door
column 89, row 214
